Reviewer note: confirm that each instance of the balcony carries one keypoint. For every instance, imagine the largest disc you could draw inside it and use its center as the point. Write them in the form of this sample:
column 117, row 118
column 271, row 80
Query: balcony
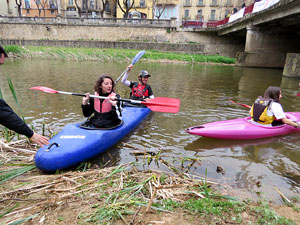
column 200, row 4
column 186, row 18
column 214, row 4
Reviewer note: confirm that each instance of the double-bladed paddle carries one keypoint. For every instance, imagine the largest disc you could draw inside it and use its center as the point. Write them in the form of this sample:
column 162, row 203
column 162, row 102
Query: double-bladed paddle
column 158, row 104
column 244, row 105
column 134, row 60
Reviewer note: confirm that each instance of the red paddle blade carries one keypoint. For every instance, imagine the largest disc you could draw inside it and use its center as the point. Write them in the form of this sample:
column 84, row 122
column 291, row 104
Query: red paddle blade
column 298, row 94
column 45, row 89
column 163, row 104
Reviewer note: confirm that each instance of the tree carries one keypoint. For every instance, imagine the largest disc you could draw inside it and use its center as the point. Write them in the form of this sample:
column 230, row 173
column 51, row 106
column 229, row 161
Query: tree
column 104, row 4
column 8, row 7
column 159, row 6
column 126, row 7
column 107, row 6
column 77, row 3
column 19, row 5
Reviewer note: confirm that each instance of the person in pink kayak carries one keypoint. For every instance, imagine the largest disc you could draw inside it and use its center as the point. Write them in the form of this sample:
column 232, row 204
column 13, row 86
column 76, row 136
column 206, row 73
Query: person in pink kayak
column 267, row 110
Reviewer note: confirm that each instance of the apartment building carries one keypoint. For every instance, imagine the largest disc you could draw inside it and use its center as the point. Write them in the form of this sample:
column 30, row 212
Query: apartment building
column 152, row 9
column 209, row 10
column 40, row 8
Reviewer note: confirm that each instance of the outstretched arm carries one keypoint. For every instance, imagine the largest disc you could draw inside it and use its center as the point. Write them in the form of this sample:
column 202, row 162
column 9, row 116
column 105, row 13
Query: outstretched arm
column 290, row 122
column 12, row 121
column 125, row 76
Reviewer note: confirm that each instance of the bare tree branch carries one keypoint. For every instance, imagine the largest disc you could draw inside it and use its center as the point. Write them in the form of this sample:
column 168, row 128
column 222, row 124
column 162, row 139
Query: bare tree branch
column 19, row 5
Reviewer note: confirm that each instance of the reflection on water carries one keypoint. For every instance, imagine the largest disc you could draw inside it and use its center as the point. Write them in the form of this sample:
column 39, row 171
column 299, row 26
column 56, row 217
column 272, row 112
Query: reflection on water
column 204, row 92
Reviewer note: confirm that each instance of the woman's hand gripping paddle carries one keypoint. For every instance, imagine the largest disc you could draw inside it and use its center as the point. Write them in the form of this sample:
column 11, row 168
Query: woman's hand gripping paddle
column 158, row 104
column 134, row 61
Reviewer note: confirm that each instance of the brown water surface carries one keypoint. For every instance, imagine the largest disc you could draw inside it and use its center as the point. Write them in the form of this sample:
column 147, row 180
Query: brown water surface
column 203, row 91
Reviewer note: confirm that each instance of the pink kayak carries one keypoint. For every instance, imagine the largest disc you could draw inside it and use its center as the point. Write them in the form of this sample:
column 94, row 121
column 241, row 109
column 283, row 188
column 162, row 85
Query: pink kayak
column 243, row 129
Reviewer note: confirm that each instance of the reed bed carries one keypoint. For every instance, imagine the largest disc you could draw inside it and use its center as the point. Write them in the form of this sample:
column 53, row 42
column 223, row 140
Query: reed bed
column 107, row 194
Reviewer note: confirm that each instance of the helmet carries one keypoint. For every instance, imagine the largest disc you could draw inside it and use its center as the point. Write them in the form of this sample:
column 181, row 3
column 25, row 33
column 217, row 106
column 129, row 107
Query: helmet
column 144, row 73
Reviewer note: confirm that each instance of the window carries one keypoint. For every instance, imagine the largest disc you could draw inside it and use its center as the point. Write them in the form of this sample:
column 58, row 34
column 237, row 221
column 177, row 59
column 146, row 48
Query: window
column 200, row 3
column 186, row 13
column 213, row 14
column 92, row 4
column 199, row 12
column 214, row 2
column 142, row 3
column 52, row 4
column 128, row 3
column 187, row 3
column 27, row 4
column 70, row 2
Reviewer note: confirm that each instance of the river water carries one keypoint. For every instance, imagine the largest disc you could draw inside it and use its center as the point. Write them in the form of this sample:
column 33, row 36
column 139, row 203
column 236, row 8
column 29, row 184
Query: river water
column 253, row 166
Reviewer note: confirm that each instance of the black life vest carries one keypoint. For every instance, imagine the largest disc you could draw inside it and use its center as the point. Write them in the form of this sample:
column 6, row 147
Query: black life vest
column 259, row 111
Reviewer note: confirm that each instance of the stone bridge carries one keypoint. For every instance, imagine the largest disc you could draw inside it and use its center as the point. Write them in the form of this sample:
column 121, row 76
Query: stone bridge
column 271, row 36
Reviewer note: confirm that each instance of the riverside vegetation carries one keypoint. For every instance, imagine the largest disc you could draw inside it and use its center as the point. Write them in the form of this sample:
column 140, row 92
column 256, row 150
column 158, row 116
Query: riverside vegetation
column 118, row 55
column 119, row 194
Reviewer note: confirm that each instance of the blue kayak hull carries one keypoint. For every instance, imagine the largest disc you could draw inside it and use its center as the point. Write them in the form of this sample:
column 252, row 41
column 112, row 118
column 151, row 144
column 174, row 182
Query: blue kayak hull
column 74, row 145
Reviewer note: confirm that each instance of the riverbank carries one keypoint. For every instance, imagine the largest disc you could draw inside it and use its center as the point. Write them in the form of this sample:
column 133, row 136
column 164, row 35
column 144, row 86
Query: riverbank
column 118, row 55
column 122, row 194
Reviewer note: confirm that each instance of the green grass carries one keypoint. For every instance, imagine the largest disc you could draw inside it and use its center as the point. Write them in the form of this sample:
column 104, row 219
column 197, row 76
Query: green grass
column 109, row 54
column 6, row 175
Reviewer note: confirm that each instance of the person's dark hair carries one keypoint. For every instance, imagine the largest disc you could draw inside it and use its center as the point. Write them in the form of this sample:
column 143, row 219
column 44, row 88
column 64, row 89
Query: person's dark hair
column 2, row 51
column 272, row 93
column 99, row 82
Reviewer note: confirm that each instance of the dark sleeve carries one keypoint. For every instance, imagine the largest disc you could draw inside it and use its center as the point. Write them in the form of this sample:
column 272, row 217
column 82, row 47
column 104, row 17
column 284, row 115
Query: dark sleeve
column 150, row 92
column 132, row 84
column 88, row 109
column 12, row 121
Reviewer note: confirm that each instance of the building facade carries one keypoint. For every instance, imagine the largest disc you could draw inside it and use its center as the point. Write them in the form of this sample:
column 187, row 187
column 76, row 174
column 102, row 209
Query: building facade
column 8, row 8
column 41, row 8
column 209, row 10
column 151, row 9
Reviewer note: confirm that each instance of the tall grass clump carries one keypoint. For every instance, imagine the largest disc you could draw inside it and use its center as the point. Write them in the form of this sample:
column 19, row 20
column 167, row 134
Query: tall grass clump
column 14, row 49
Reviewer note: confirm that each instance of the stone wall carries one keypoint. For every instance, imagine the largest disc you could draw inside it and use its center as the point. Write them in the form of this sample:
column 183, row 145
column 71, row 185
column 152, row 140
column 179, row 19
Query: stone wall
column 164, row 39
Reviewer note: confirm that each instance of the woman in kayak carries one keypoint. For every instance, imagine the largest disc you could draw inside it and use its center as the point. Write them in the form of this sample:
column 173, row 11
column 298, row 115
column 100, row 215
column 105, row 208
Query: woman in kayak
column 139, row 90
column 267, row 110
column 107, row 112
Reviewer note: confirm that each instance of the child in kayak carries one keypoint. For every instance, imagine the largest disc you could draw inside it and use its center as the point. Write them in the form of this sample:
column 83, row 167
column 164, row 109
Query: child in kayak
column 267, row 110
column 139, row 90
column 107, row 112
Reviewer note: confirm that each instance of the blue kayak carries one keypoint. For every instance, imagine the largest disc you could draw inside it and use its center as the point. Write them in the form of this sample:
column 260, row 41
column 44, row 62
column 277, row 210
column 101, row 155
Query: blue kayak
column 74, row 144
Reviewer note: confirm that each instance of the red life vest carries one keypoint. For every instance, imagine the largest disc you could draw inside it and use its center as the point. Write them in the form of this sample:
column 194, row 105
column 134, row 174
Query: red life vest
column 140, row 90
column 103, row 106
